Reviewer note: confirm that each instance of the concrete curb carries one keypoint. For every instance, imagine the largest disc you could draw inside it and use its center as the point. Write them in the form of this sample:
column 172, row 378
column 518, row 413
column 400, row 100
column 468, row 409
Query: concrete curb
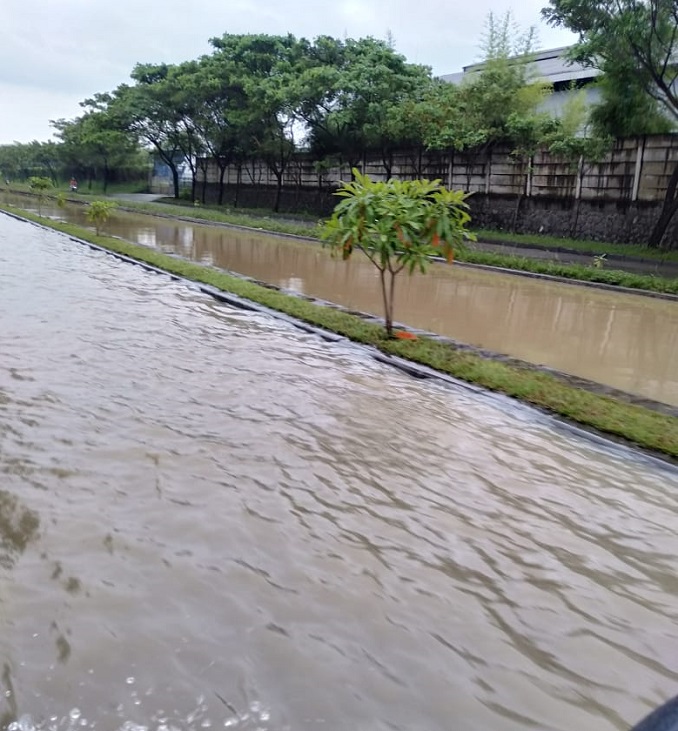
column 416, row 370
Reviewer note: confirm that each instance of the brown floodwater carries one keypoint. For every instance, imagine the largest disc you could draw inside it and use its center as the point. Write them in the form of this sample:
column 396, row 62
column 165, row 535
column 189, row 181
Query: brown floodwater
column 209, row 519
column 625, row 341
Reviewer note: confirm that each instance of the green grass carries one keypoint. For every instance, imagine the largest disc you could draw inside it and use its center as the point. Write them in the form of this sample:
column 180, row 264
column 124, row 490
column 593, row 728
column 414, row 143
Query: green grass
column 579, row 272
column 224, row 215
column 577, row 245
column 636, row 424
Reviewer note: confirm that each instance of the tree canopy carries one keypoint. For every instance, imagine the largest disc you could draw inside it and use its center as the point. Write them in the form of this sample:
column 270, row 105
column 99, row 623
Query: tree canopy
column 635, row 44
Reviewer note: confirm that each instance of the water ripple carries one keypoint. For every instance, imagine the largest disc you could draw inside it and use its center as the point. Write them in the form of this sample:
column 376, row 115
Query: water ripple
column 217, row 505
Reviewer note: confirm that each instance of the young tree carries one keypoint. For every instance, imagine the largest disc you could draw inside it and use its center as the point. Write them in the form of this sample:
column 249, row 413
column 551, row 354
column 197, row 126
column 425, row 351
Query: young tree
column 397, row 224
column 496, row 104
column 576, row 140
column 640, row 36
column 526, row 134
column 40, row 186
column 98, row 213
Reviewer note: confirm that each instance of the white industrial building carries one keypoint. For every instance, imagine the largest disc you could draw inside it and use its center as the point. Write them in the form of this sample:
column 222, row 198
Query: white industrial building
column 551, row 65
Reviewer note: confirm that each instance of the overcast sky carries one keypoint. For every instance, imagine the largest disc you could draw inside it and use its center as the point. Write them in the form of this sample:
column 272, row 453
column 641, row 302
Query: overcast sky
column 55, row 53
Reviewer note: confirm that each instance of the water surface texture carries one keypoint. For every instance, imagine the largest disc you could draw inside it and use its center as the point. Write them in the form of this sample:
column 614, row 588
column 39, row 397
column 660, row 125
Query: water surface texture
column 625, row 341
column 210, row 519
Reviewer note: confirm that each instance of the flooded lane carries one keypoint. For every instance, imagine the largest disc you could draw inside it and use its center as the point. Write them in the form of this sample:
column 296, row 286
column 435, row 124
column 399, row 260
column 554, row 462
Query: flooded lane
column 209, row 519
column 624, row 341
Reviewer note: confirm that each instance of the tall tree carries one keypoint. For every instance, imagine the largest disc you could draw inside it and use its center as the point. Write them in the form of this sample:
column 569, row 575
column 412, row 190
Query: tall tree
column 149, row 110
column 94, row 143
column 496, row 104
column 353, row 93
column 641, row 37
column 262, row 97
column 579, row 142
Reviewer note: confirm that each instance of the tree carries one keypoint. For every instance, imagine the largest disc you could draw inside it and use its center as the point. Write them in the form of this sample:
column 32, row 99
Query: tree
column 624, row 108
column 95, row 143
column 353, row 92
column 259, row 76
column 148, row 110
column 496, row 104
column 397, row 224
column 40, row 185
column 640, row 36
column 98, row 213
column 526, row 133
column 20, row 161
column 579, row 142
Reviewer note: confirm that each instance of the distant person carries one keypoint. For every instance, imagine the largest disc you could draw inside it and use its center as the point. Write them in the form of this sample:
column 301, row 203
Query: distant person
column 74, row 185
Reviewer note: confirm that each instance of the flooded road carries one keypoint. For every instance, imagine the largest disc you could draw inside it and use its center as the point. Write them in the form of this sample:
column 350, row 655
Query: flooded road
column 209, row 519
column 624, row 341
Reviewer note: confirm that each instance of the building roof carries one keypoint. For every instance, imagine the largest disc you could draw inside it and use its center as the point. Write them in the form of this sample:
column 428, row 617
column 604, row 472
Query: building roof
column 551, row 65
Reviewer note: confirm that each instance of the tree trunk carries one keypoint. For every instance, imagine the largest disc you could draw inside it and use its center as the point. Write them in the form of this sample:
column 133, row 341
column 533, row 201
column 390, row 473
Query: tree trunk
column 388, row 296
column 278, row 191
column 105, row 177
column 297, row 192
column 391, row 301
column 516, row 213
column 238, row 183
column 387, row 160
column 388, row 311
column 175, row 180
column 203, row 196
column 194, row 184
column 222, row 174
column 575, row 221
column 669, row 207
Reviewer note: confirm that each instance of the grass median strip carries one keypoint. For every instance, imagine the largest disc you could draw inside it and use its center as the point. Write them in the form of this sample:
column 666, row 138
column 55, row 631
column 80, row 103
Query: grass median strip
column 636, row 424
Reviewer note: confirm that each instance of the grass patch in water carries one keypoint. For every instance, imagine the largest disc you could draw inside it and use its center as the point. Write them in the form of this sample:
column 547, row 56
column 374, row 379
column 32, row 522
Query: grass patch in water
column 636, row 424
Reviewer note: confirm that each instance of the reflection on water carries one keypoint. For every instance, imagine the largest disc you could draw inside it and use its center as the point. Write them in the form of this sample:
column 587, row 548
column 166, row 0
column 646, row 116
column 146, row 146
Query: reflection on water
column 625, row 341
column 246, row 527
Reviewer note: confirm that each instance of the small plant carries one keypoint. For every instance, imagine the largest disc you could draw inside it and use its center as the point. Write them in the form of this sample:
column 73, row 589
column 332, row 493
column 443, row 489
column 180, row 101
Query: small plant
column 98, row 212
column 599, row 261
column 196, row 203
column 61, row 201
column 40, row 186
column 397, row 224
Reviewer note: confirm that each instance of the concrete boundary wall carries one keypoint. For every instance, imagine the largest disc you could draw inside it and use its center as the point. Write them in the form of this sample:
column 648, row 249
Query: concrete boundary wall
column 617, row 199
column 634, row 170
